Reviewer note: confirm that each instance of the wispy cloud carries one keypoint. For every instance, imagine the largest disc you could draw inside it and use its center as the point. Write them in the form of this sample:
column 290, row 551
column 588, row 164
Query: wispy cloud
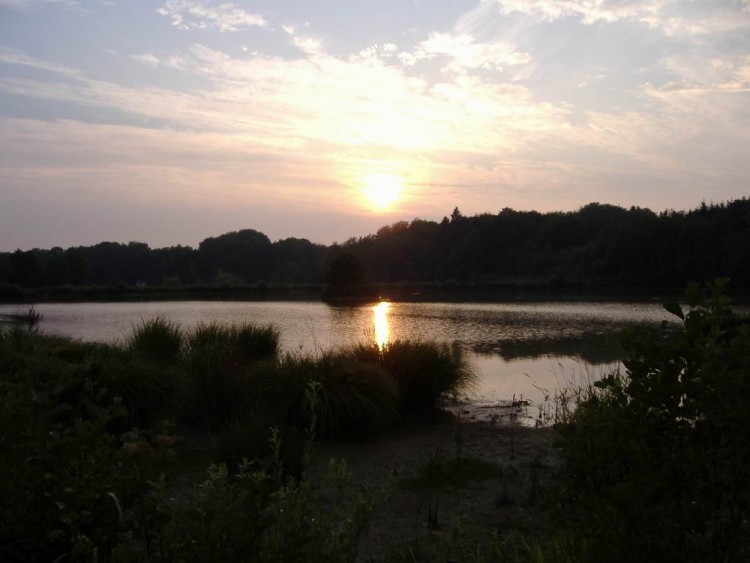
column 463, row 52
column 12, row 56
column 673, row 17
column 201, row 14
column 589, row 11
column 28, row 5
column 146, row 59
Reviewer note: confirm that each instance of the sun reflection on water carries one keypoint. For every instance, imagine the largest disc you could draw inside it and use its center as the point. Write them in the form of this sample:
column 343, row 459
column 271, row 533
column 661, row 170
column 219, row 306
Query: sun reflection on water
column 380, row 320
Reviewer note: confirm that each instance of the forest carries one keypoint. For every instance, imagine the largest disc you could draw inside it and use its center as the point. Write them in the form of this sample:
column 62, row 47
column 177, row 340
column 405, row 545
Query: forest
column 598, row 245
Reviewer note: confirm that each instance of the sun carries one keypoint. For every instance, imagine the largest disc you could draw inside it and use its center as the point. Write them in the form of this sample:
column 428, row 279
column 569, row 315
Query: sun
column 382, row 190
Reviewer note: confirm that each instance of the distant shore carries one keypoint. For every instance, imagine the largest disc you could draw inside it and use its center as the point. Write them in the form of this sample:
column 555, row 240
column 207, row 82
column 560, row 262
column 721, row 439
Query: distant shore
column 524, row 290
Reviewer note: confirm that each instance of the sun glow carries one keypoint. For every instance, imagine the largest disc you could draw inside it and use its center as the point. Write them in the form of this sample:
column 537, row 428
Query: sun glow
column 382, row 328
column 382, row 190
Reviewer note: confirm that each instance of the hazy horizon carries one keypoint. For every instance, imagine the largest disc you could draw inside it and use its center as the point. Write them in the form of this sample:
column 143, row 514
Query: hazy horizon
column 170, row 121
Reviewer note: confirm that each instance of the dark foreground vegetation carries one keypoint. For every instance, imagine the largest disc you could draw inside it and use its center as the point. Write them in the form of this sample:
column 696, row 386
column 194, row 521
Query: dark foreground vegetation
column 597, row 246
column 658, row 458
column 91, row 469
column 655, row 460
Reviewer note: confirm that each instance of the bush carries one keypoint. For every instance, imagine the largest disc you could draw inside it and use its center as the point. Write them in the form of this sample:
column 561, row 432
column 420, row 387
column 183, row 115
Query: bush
column 255, row 514
column 65, row 481
column 660, row 458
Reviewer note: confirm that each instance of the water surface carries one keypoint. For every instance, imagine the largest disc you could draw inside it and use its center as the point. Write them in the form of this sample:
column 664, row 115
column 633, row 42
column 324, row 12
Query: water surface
column 518, row 349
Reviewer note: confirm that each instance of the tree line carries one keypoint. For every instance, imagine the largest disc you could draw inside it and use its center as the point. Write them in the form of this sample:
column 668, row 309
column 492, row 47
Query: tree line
column 599, row 244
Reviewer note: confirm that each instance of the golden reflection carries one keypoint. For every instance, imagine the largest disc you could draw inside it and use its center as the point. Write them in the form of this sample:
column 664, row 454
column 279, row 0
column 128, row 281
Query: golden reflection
column 382, row 329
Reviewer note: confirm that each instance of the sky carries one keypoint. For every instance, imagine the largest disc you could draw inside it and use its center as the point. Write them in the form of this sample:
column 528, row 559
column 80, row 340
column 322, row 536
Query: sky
column 168, row 121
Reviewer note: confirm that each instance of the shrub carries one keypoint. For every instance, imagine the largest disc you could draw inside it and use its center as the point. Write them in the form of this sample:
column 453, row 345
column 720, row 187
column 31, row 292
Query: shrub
column 660, row 458
column 158, row 339
column 65, row 482
column 255, row 514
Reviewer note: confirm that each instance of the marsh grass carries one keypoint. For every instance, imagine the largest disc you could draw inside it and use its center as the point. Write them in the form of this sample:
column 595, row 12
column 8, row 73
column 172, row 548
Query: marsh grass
column 356, row 399
column 423, row 371
column 221, row 360
column 158, row 339
column 245, row 341
column 573, row 387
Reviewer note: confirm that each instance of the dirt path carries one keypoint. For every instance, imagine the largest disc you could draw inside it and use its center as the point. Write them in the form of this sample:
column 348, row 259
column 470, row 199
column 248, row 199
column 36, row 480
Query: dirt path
column 498, row 488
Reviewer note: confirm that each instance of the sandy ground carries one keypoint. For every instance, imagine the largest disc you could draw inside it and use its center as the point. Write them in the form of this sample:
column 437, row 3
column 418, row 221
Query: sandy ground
column 522, row 460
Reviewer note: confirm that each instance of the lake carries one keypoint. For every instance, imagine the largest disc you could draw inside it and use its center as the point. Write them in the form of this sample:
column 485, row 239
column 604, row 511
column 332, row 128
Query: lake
column 519, row 349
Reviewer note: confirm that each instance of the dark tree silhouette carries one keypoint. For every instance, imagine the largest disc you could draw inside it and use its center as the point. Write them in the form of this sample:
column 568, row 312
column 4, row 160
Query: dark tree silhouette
column 345, row 277
column 599, row 244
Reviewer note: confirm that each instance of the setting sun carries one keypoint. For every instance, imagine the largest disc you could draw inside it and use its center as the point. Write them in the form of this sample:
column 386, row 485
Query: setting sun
column 382, row 190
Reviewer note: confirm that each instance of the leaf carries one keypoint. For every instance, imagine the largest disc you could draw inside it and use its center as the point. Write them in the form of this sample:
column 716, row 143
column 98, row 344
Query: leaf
column 675, row 309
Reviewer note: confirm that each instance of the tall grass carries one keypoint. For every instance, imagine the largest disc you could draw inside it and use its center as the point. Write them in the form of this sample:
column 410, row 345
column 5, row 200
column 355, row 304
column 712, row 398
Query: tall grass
column 219, row 359
column 158, row 339
column 150, row 391
column 245, row 341
column 423, row 371
column 356, row 399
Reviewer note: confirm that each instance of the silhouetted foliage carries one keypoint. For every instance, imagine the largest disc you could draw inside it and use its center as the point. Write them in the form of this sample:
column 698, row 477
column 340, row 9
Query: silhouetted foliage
column 657, row 458
column 344, row 276
column 599, row 244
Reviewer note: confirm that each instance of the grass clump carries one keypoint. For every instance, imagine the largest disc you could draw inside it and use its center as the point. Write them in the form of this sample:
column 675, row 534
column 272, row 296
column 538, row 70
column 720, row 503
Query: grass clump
column 356, row 399
column 219, row 359
column 423, row 371
column 158, row 339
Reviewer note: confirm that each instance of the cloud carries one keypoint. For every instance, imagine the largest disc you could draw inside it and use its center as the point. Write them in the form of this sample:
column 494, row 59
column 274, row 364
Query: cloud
column 28, row 5
column 320, row 117
column 146, row 59
column 201, row 14
column 465, row 53
column 671, row 16
column 308, row 45
column 150, row 164
column 589, row 11
column 12, row 56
